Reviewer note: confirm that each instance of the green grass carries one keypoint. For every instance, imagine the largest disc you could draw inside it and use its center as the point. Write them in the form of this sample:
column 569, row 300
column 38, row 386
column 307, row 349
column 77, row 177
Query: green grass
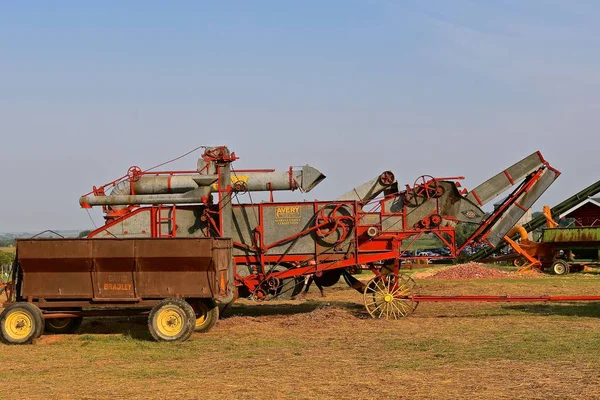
column 330, row 348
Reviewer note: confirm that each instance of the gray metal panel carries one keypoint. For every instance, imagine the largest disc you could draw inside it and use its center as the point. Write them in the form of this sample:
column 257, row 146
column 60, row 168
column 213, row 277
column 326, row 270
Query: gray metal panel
column 514, row 213
column 245, row 219
column 391, row 223
column 496, row 185
column 282, row 221
column 367, row 191
column 414, row 215
column 135, row 226
column 370, row 219
column 189, row 222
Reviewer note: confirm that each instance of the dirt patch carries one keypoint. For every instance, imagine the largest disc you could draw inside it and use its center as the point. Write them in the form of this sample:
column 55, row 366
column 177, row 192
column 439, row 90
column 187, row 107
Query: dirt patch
column 322, row 314
column 49, row 339
column 323, row 349
column 470, row 270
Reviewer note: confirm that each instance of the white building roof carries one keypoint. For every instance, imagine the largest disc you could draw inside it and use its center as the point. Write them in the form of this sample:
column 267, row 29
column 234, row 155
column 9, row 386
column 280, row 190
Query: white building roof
column 595, row 201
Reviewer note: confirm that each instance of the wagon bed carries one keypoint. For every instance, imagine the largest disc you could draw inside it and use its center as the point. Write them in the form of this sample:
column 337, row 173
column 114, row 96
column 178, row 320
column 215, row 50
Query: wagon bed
column 67, row 279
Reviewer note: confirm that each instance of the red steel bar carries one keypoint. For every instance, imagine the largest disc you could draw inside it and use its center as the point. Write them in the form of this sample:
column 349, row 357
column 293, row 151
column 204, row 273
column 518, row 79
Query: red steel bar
column 499, row 299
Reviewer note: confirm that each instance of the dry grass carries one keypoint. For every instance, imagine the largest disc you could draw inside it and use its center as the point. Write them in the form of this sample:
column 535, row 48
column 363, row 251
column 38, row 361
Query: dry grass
column 329, row 348
column 10, row 249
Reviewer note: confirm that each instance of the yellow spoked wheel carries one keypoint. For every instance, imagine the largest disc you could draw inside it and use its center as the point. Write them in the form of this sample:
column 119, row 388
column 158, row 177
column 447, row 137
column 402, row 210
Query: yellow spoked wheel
column 390, row 296
column 171, row 320
column 19, row 325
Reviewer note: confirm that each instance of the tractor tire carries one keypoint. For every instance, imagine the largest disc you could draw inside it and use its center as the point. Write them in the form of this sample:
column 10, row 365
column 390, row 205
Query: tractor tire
column 560, row 267
column 207, row 314
column 21, row 323
column 329, row 278
column 290, row 287
column 62, row 325
column 171, row 320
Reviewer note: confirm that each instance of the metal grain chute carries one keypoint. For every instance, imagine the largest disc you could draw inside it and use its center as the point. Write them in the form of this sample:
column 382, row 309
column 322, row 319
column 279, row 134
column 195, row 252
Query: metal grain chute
column 173, row 188
column 502, row 181
column 515, row 211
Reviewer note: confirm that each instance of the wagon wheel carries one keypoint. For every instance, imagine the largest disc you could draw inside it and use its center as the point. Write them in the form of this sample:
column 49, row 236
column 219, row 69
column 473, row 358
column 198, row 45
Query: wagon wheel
column 390, row 296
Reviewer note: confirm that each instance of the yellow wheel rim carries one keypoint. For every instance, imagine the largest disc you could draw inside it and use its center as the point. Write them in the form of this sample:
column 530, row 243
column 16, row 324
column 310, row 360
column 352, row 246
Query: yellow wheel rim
column 58, row 323
column 18, row 325
column 169, row 322
column 201, row 314
column 390, row 296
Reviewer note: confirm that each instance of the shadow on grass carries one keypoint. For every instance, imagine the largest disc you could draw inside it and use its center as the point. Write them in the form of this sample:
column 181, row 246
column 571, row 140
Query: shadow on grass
column 136, row 327
column 278, row 309
column 565, row 309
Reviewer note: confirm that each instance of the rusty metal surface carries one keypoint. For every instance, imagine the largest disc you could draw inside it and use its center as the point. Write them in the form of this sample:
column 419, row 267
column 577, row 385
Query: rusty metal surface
column 124, row 269
column 577, row 235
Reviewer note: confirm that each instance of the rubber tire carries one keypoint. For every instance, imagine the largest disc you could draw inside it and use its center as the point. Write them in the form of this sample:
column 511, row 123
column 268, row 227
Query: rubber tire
column 290, row 287
column 36, row 317
column 563, row 266
column 329, row 278
column 185, row 310
column 72, row 325
column 209, row 308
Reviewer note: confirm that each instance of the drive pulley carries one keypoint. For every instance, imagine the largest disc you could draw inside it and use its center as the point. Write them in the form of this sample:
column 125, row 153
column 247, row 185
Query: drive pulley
column 335, row 222
column 425, row 187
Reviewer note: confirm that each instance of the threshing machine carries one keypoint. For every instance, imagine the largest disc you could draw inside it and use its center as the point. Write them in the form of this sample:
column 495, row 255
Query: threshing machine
column 276, row 244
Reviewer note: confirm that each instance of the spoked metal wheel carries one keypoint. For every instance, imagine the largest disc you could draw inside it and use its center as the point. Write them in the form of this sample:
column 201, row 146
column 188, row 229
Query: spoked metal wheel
column 390, row 296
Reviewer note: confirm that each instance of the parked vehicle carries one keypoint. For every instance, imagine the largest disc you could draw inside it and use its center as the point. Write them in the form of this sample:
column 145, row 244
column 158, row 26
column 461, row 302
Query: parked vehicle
column 55, row 283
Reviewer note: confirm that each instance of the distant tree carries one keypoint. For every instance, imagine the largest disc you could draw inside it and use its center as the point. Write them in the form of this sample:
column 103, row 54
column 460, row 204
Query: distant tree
column 463, row 231
column 83, row 234
column 7, row 242
column 6, row 259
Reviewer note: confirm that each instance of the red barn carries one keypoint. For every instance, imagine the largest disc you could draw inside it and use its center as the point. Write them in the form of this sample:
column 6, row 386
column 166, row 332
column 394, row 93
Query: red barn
column 586, row 213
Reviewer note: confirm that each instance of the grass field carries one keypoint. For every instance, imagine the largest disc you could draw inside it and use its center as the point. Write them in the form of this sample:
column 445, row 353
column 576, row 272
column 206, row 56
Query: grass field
column 329, row 348
column 10, row 249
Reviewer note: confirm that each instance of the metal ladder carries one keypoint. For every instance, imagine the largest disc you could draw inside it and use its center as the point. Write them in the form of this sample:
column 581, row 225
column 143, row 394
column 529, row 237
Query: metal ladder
column 170, row 219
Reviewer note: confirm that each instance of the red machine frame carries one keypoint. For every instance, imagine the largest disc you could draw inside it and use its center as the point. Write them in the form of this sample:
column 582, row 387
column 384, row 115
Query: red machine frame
column 368, row 249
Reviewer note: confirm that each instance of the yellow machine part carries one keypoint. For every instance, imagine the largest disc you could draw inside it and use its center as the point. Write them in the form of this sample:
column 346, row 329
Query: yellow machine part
column 531, row 251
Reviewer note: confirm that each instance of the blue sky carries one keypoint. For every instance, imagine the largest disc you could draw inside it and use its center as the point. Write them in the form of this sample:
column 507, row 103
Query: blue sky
column 350, row 87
